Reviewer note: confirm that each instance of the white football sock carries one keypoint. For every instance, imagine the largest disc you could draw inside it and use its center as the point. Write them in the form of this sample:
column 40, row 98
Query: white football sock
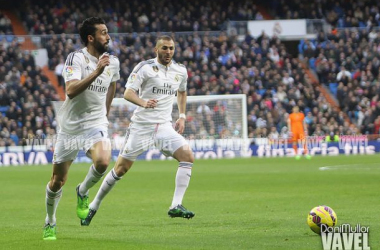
column 182, row 180
column 91, row 179
column 107, row 184
column 52, row 200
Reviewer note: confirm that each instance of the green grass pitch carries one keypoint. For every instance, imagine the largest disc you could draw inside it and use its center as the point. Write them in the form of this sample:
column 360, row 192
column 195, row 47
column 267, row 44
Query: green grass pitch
column 239, row 204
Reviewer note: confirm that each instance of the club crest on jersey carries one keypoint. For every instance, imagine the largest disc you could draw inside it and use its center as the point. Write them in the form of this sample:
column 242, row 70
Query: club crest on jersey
column 108, row 72
column 69, row 70
column 155, row 68
column 177, row 78
column 86, row 59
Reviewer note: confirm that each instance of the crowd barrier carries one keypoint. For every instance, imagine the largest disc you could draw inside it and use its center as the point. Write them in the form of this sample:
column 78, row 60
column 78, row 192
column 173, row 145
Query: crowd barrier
column 203, row 149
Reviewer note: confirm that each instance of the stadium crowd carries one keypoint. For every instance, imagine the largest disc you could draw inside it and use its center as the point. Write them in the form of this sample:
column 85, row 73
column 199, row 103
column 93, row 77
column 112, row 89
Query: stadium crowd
column 272, row 80
column 341, row 14
column 347, row 61
column 25, row 97
column 56, row 17
column 259, row 67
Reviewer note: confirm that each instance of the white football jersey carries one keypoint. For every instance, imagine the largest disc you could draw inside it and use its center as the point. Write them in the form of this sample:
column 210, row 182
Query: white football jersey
column 88, row 109
column 155, row 81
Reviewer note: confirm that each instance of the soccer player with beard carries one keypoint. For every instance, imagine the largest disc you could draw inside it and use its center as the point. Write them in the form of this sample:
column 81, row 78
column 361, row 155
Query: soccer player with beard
column 90, row 75
column 152, row 86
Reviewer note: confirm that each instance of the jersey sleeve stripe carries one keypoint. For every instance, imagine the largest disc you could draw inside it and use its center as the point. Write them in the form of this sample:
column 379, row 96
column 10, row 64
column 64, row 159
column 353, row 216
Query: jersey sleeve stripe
column 70, row 58
column 142, row 64
column 179, row 64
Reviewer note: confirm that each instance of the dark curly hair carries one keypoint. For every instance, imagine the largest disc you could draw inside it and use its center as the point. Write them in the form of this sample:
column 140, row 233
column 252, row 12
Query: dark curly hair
column 88, row 28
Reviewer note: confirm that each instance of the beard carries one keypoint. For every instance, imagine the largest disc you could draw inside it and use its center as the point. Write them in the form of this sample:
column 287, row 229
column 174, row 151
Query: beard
column 163, row 59
column 101, row 48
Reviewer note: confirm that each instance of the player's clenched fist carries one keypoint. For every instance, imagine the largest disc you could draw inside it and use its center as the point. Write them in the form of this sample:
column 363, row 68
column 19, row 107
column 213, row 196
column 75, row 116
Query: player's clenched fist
column 104, row 61
column 151, row 104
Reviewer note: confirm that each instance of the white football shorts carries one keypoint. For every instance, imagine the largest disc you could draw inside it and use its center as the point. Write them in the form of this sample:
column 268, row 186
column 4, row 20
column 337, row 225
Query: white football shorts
column 140, row 138
column 68, row 146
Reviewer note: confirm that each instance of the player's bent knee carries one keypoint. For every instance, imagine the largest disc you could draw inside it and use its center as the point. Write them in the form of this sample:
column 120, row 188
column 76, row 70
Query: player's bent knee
column 122, row 166
column 57, row 182
column 102, row 164
column 186, row 156
column 191, row 158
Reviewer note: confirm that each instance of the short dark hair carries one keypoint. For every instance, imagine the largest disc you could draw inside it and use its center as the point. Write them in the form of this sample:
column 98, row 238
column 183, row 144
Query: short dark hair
column 165, row 38
column 88, row 28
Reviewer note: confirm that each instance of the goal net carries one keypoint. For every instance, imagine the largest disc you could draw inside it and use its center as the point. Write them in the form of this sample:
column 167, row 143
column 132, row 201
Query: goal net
column 207, row 118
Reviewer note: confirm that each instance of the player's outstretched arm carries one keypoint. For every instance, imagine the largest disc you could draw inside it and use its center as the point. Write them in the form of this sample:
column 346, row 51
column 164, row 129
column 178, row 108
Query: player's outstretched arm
column 75, row 87
column 131, row 96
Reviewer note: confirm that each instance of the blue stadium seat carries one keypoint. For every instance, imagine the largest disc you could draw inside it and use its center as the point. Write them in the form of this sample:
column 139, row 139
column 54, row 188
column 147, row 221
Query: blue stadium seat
column 4, row 109
column 312, row 63
column 323, row 44
column 300, row 46
column 9, row 38
column 261, row 91
column 333, row 87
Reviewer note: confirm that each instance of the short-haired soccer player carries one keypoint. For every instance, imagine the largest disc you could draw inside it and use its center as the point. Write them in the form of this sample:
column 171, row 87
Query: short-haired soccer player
column 152, row 86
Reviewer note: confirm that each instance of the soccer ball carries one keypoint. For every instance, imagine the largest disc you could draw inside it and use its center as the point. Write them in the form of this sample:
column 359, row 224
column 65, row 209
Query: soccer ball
column 321, row 215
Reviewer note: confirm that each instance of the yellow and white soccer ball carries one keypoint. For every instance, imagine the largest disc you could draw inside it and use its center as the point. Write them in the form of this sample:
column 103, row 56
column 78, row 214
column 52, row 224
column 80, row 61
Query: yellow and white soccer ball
column 321, row 215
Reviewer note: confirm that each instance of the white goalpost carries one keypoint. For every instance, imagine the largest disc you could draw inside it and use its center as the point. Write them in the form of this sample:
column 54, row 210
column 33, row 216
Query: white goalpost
column 211, row 116
column 216, row 126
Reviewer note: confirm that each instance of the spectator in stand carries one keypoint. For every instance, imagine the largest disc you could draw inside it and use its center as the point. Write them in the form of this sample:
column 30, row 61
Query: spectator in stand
column 343, row 75
column 5, row 25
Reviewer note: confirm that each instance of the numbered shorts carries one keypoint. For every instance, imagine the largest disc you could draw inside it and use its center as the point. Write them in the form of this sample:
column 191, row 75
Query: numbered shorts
column 140, row 138
column 68, row 146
